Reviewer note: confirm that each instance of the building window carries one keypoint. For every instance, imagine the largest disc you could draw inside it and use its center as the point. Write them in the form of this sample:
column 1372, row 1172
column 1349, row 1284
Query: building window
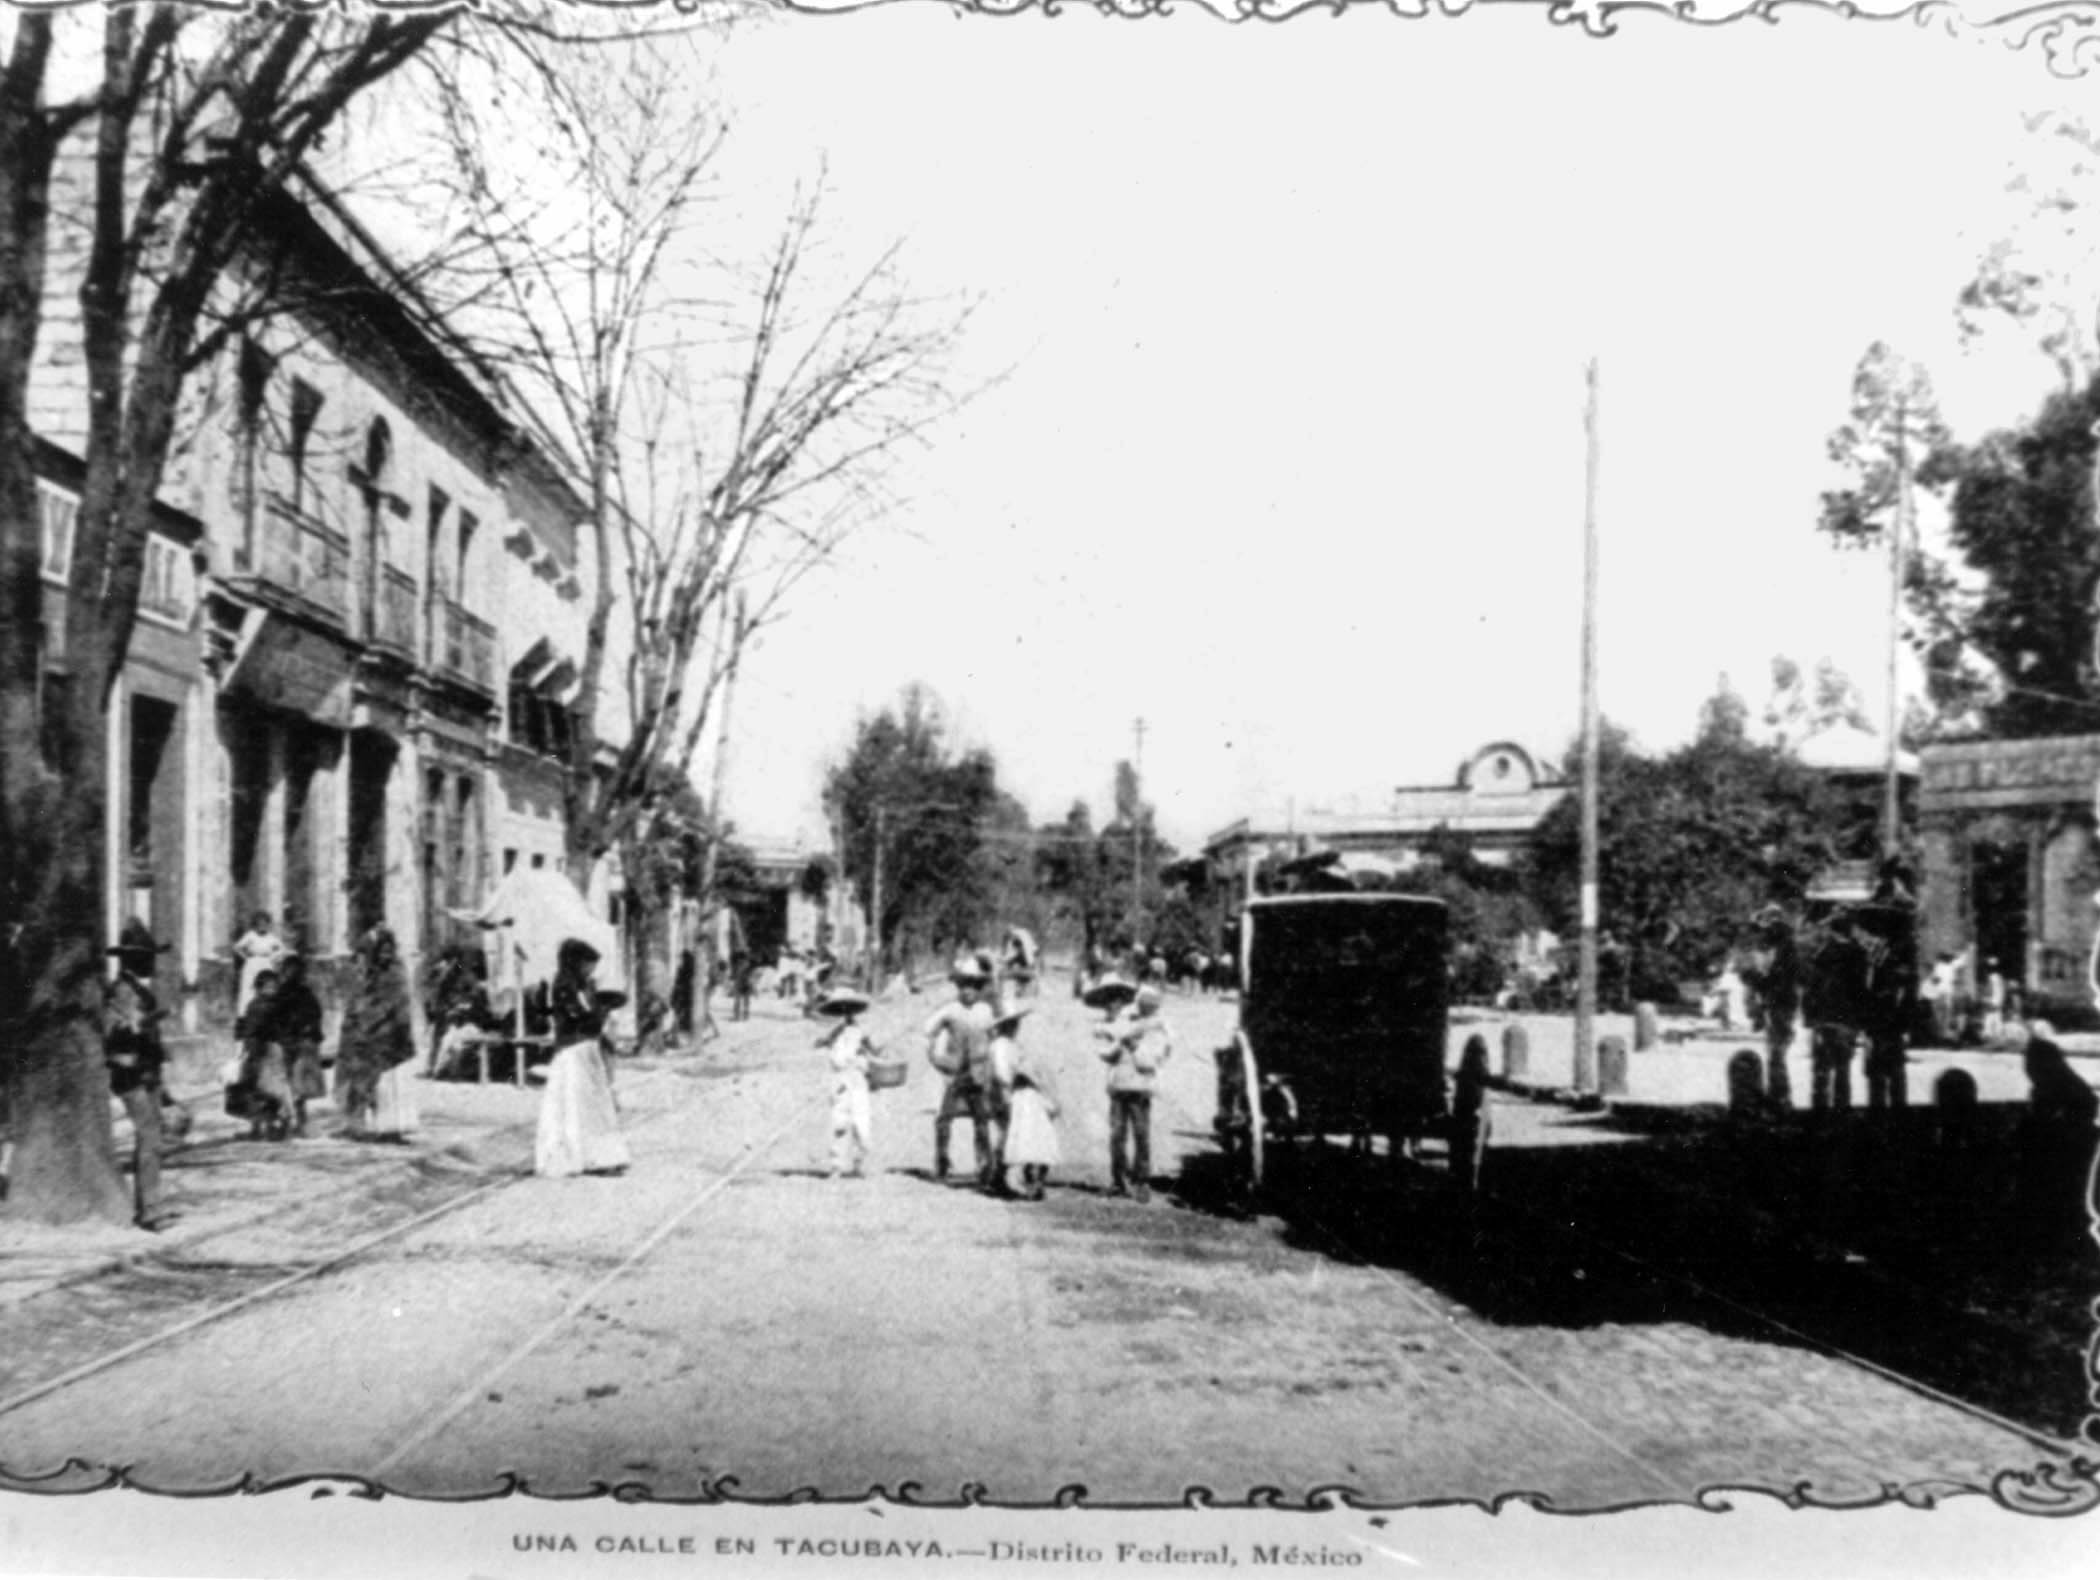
column 468, row 525
column 305, row 413
column 60, row 512
column 539, row 862
column 510, row 859
column 168, row 587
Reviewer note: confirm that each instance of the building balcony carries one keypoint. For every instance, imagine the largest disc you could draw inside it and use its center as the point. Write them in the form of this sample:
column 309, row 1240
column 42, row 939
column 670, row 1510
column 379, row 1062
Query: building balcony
column 467, row 647
column 393, row 617
column 296, row 554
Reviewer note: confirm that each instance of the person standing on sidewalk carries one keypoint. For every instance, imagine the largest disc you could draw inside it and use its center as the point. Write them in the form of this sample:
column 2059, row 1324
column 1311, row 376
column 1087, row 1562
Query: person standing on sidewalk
column 959, row 1046
column 257, row 950
column 296, row 1026
column 1137, row 1045
column 1833, row 993
column 136, row 1057
column 579, row 1125
column 1470, row 1123
column 1775, row 974
column 371, row 1079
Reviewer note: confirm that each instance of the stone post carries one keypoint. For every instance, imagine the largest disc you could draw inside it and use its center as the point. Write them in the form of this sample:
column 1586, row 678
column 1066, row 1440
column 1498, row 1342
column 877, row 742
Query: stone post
column 1646, row 1032
column 1516, row 1053
column 1746, row 1085
column 1611, row 1067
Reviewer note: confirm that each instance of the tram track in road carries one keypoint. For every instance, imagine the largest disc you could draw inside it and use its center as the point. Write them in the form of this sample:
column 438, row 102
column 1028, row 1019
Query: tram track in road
column 433, row 1426
column 173, row 1283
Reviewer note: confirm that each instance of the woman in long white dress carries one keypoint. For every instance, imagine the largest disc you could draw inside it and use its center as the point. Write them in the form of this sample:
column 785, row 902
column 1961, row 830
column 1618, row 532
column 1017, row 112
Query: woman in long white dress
column 579, row 1130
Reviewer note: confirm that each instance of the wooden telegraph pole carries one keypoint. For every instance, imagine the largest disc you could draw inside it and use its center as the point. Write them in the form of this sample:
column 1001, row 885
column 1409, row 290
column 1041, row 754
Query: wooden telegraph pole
column 1586, row 986
column 875, row 910
column 1892, row 789
column 1137, row 841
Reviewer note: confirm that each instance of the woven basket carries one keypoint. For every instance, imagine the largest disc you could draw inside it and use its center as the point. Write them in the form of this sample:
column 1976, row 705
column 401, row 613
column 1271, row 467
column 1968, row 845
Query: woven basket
column 885, row 1072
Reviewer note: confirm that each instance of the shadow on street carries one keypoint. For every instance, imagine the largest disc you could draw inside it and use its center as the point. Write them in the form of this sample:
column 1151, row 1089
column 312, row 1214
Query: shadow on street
column 1933, row 1257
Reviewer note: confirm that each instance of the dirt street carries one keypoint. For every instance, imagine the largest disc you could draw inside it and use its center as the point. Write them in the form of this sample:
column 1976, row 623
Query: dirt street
column 725, row 1317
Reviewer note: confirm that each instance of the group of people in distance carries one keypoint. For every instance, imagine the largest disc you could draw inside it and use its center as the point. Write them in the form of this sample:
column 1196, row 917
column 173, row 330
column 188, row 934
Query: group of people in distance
column 1008, row 1090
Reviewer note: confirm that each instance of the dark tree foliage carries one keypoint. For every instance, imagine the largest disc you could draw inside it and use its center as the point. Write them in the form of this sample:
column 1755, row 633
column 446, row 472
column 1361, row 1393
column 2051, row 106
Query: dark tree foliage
column 2023, row 522
column 1073, row 881
column 903, row 788
column 1690, row 845
column 1489, row 908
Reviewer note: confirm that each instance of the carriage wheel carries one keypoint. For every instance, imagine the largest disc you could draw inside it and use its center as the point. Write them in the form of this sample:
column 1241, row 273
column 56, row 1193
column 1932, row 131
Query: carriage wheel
column 1255, row 1158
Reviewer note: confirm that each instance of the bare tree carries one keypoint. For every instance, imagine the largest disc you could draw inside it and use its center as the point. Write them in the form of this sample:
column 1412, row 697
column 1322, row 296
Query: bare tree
column 730, row 438
column 161, row 132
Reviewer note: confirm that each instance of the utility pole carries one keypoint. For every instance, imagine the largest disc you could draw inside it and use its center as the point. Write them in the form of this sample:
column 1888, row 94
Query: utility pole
column 1137, row 838
column 1586, row 982
column 875, row 909
column 1892, row 789
column 710, row 906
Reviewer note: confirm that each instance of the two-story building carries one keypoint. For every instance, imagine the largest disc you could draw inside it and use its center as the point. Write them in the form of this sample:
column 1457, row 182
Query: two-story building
column 356, row 657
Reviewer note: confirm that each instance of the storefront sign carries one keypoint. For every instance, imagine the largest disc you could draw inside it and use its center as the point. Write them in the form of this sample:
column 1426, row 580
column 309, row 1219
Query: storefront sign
column 2010, row 773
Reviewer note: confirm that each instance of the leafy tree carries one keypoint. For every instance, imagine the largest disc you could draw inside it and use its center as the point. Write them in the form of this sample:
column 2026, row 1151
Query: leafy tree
column 1689, row 846
column 1799, row 705
column 2042, row 273
column 1489, row 908
column 2023, row 524
column 1070, row 877
column 903, row 797
column 1894, row 424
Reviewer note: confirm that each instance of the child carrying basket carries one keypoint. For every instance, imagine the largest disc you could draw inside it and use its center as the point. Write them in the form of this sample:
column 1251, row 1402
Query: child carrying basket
column 857, row 1067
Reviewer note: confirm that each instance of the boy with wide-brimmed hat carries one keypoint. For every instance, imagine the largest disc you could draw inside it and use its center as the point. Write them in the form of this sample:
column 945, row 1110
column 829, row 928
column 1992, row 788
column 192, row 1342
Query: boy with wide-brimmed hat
column 136, row 1056
column 959, row 1046
column 1136, row 1044
column 852, row 1115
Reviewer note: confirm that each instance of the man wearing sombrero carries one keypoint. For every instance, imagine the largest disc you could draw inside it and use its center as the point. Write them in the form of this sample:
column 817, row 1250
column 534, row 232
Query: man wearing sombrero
column 132, row 1045
column 959, row 1045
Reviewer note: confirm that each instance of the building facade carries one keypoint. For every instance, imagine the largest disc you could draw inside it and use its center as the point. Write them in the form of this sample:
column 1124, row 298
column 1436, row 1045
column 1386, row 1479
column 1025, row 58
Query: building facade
column 352, row 680
column 1500, row 794
column 2008, row 863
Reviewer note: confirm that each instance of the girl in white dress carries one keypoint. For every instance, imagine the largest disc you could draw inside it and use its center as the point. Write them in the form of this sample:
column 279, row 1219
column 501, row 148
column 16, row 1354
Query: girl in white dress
column 1032, row 1109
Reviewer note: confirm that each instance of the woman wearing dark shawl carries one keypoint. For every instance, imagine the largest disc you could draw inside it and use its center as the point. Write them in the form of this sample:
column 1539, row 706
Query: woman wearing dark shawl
column 372, row 1083
column 579, row 1129
column 296, row 1024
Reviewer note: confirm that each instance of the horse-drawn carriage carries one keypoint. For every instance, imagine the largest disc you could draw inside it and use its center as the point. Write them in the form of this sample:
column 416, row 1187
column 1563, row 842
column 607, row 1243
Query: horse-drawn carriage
column 1343, row 1001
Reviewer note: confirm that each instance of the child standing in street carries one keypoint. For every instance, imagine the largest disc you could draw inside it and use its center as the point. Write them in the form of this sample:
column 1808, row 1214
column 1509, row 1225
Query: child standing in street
column 852, row 1116
column 1135, row 1044
column 1032, row 1108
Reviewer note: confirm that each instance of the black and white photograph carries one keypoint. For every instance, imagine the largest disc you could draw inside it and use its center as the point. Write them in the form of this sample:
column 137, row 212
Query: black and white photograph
column 956, row 788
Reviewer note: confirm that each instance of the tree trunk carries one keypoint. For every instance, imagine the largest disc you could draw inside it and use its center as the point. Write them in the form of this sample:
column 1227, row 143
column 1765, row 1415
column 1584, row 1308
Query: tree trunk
column 65, row 1165
column 641, row 914
column 56, row 1085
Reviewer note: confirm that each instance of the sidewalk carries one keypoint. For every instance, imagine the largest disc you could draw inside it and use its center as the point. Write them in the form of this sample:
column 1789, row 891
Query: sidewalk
column 1693, row 1072
column 217, row 1181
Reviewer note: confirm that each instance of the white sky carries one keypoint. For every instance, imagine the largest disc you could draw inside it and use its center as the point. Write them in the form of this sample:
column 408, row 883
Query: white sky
column 1290, row 458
